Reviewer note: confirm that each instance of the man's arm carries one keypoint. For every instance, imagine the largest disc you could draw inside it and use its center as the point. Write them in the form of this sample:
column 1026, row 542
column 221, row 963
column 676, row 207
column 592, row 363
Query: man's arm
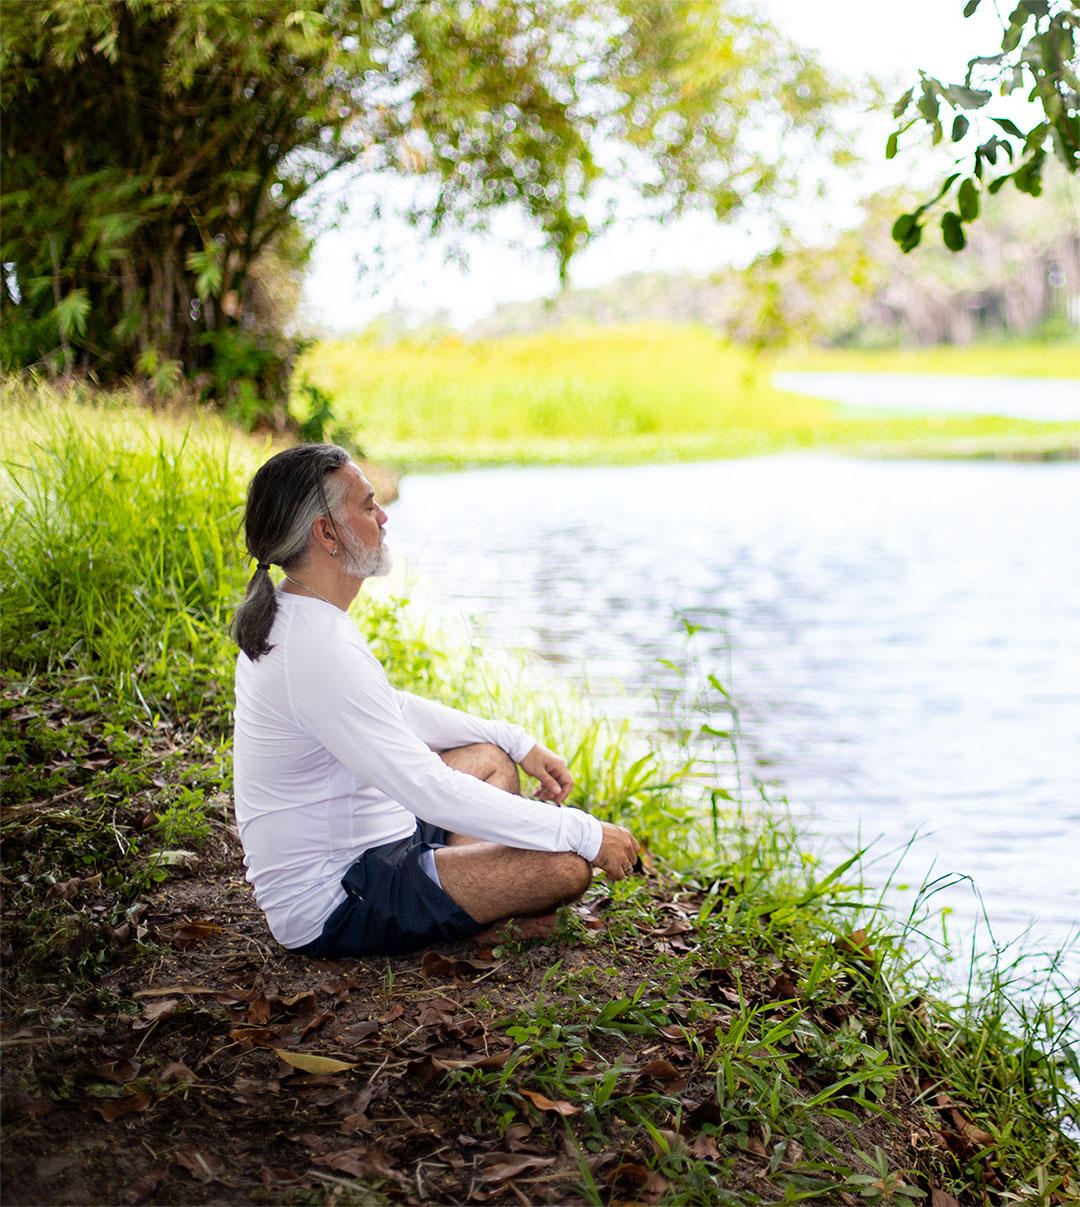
column 356, row 715
column 443, row 728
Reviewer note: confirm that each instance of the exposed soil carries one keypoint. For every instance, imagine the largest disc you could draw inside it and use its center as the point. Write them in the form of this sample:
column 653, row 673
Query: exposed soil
column 166, row 1085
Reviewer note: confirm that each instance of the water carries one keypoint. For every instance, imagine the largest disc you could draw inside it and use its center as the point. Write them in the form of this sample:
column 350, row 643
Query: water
column 1050, row 399
column 904, row 639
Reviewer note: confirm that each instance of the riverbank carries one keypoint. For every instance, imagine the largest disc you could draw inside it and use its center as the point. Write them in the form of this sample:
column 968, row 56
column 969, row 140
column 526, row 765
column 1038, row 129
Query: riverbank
column 741, row 1024
column 650, row 392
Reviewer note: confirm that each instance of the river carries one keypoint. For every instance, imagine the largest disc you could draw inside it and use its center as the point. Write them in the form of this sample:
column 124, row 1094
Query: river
column 904, row 641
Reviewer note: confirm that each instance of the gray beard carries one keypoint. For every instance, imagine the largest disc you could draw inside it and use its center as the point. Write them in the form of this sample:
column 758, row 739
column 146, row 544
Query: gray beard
column 361, row 561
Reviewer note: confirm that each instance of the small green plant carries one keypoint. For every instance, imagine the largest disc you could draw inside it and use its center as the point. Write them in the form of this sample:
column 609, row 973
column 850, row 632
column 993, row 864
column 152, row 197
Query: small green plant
column 184, row 823
column 883, row 1185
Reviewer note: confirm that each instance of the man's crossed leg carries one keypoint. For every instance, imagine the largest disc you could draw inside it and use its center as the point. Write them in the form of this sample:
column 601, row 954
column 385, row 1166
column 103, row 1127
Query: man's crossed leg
column 490, row 881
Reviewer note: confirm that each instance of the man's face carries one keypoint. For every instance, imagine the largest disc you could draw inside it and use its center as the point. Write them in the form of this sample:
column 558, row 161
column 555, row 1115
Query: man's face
column 359, row 522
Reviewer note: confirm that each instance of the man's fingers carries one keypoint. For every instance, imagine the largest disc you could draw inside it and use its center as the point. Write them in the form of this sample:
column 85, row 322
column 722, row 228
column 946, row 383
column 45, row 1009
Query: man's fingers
column 548, row 787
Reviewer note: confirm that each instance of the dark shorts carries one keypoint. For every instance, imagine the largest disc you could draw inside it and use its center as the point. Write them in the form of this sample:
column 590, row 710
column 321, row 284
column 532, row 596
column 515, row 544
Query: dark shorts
column 393, row 905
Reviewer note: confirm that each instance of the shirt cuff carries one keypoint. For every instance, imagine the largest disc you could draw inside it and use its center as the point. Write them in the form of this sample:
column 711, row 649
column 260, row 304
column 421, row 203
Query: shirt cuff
column 590, row 835
column 518, row 743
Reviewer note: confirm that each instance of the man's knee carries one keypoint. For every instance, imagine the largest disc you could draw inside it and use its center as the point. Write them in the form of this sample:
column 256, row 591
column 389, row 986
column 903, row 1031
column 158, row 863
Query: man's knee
column 574, row 876
column 485, row 761
column 504, row 771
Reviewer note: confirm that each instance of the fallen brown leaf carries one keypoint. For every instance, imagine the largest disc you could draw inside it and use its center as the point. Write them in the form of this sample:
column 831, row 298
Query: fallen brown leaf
column 112, row 1109
column 119, row 1071
column 203, row 1166
column 172, row 990
column 314, row 1064
column 147, row 1184
column 176, row 1070
column 187, row 934
column 258, row 1010
column 782, row 989
column 629, row 1176
column 280, row 1179
column 154, row 1011
column 546, row 1104
column 355, row 1123
column 498, row 1166
column 679, row 927
column 856, row 944
column 301, row 1003
column 704, row 1148
column 942, row 1198
column 660, row 1070
column 254, row 1092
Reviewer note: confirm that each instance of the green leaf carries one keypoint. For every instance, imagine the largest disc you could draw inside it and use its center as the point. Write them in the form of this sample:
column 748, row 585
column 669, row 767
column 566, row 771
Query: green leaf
column 967, row 200
column 902, row 103
column 1012, row 36
column 962, row 97
column 928, row 103
column 891, row 145
column 716, row 733
column 970, row 7
column 995, row 185
column 903, row 226
column 1028, row 177
column 1008, row 126
column 959, row 127
column 72, row 312
column 952, row 232
column 907, row 231
column 208, row 264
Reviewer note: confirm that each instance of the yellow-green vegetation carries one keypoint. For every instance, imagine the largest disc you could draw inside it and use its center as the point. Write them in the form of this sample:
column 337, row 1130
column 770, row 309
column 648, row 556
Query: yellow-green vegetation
column 742, row 1024
column 969, row 360
column 632, row 393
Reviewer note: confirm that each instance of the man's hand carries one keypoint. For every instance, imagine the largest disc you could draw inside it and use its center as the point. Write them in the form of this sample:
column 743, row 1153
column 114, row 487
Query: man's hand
column 554, row 776
column 618, row 851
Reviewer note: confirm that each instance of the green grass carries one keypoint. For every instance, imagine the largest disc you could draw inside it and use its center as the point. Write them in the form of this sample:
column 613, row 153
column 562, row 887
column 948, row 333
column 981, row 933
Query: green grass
column 973, row 360
column 637, row 393
column 121, row 568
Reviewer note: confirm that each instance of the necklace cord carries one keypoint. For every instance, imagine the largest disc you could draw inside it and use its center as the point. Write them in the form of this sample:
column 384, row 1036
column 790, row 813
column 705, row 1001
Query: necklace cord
column 309, row 590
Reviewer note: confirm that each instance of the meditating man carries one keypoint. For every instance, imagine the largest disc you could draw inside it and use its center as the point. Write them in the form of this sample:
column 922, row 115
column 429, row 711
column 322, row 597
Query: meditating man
column 374, row 821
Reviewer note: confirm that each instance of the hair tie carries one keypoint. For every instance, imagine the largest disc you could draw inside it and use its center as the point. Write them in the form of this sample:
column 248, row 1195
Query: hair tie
column 262, row 565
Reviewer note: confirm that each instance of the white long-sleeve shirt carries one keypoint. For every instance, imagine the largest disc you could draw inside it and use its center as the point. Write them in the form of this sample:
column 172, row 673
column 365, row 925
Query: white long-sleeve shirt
column 330, row 760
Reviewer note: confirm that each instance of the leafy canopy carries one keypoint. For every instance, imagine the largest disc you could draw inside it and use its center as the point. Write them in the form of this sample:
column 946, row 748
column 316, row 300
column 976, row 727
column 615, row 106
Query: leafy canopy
column 1037, row 55
column 156, row 150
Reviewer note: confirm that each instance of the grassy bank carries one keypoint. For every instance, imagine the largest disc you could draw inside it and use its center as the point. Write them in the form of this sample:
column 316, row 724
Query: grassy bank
column 741, row 1024
column 639, row 393
column 973, row 360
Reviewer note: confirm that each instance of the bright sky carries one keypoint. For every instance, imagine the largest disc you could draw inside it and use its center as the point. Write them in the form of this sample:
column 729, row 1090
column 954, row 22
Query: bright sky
column 506, row 264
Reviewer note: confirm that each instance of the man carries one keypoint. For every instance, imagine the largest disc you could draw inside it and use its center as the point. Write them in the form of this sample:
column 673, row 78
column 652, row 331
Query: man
column 374, row 821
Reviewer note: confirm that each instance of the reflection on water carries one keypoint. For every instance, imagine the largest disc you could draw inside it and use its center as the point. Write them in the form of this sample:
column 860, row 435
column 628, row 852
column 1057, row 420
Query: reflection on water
column 905, row 636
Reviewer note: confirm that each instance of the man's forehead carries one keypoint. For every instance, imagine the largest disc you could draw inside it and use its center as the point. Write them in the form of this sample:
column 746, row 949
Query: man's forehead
column 359, row 487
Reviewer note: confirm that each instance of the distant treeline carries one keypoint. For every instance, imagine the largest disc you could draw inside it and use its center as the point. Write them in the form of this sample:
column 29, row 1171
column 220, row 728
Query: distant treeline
column 1019, row 277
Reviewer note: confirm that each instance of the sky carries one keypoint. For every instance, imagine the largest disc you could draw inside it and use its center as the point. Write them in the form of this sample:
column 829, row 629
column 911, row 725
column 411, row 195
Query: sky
column 508, row 264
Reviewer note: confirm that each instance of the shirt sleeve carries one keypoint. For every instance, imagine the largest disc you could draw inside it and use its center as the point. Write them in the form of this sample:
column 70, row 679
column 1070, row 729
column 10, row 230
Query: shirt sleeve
column 442, row 728
column 351, row 709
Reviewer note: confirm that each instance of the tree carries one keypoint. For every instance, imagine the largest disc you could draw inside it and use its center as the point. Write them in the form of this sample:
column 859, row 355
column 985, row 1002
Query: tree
column 155, row 150
column 1038, row 53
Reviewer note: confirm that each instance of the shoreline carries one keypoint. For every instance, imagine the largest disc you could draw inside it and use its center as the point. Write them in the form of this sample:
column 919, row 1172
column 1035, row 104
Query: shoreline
column 729, row 1028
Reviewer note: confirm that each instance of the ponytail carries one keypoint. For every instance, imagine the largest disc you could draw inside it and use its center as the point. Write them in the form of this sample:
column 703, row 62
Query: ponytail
column 255, row 616
column 285, row 497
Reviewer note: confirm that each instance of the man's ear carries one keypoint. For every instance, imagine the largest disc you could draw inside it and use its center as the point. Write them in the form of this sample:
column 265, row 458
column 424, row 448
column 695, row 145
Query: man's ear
column 323, row 534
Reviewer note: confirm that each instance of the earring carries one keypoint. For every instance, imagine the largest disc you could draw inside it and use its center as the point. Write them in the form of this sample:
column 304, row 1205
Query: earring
column 334, row 554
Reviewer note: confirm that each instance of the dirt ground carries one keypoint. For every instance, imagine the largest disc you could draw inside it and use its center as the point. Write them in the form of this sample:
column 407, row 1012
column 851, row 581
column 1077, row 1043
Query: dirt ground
column 220, row 1069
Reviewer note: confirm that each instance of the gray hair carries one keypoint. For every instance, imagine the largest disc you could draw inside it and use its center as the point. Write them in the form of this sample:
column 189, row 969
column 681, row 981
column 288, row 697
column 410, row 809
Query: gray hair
column 287, row 494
